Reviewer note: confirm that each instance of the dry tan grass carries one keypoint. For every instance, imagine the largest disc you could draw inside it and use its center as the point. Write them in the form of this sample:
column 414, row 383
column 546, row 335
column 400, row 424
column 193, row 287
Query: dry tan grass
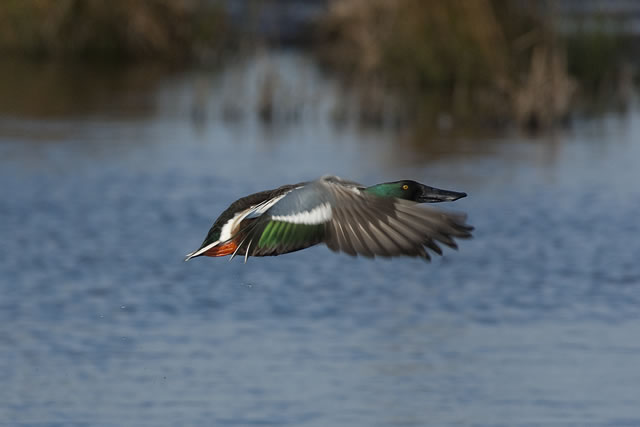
column 493, row 59
column 114, row 28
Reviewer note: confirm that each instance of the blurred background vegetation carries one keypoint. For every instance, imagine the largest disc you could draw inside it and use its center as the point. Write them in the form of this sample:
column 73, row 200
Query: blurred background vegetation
column 117, row 30
column 493, row 61
column 480, row 63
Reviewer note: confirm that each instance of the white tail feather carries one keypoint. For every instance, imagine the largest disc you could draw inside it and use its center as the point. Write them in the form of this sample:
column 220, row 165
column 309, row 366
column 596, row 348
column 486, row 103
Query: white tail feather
column 200, row 251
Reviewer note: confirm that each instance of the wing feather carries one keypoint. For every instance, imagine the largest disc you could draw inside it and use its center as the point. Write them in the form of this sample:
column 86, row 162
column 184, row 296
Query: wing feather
column 369, row 225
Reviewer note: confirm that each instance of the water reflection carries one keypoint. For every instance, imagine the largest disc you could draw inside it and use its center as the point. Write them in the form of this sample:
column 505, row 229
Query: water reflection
column 266, row 96
column 50, row 90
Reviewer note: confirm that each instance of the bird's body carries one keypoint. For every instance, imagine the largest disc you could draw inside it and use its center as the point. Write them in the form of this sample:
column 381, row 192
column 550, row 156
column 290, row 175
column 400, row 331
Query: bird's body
column 381, row 220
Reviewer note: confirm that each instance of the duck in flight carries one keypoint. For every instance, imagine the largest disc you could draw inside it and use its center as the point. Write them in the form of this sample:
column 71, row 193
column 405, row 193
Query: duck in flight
column 384, row 220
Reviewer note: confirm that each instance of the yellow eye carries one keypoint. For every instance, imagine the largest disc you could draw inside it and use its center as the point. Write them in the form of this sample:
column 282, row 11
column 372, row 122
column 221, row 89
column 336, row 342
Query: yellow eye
column 405, row 187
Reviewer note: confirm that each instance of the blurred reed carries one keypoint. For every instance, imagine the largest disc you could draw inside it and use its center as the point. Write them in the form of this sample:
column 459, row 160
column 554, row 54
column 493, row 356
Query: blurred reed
column 487, row 62
column 114, row 29
column 444, row 64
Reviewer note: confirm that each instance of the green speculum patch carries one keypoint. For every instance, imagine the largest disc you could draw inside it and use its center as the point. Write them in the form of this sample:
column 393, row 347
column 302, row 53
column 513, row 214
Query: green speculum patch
column 280, row 232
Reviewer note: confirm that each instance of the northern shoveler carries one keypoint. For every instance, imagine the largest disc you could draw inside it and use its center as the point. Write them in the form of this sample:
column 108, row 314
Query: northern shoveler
column 381, row 220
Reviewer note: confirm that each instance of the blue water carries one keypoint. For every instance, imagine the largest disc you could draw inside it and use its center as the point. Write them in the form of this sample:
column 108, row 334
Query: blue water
column 536, row 321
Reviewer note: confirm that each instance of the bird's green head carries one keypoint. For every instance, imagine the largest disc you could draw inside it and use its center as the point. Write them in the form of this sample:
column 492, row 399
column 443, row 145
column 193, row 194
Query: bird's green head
column 414, row 191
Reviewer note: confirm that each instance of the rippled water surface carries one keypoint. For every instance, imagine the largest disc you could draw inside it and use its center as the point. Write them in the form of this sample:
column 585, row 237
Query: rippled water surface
column 108, row 180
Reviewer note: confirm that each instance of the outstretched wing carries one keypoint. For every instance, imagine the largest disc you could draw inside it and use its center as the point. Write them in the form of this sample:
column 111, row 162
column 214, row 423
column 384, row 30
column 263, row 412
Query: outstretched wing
column 369, row 225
